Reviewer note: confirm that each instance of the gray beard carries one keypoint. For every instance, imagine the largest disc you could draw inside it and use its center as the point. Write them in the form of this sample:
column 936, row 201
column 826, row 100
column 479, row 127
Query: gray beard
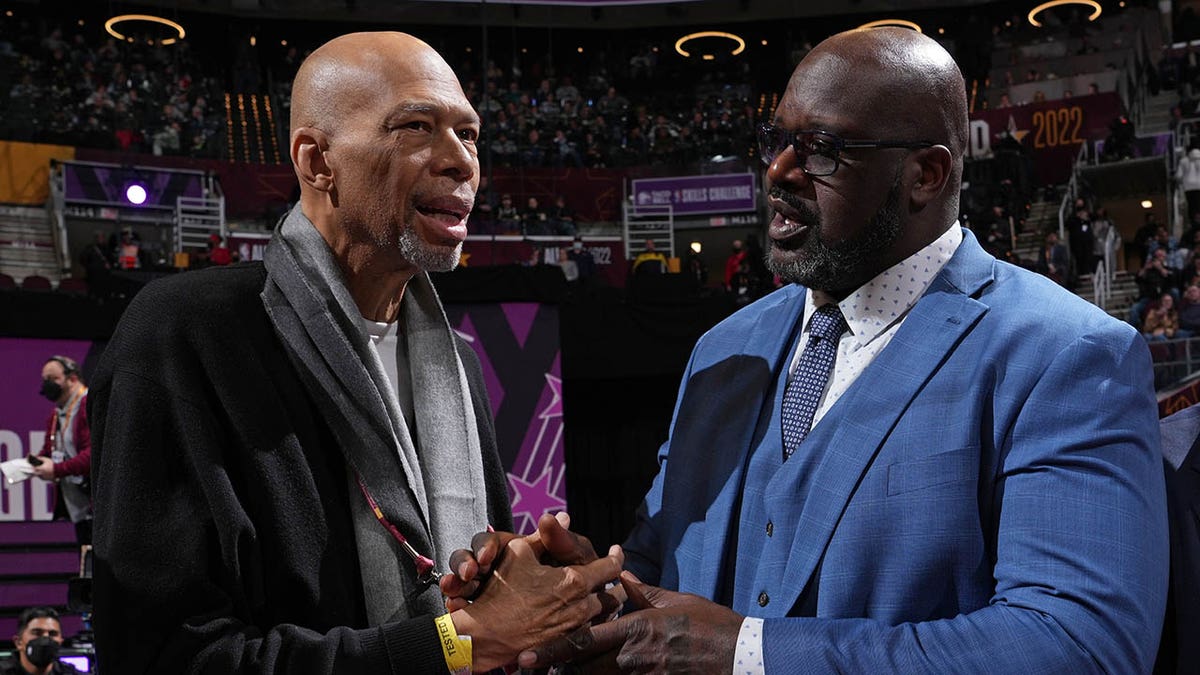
column 839, row 267
column 425, row 256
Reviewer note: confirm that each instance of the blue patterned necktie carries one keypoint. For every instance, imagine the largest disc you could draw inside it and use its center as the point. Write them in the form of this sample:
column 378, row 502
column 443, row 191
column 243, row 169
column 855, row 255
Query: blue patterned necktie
column 806, row 385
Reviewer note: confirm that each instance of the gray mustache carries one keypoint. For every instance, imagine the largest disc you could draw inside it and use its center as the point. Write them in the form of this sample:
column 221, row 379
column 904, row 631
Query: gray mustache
column 807, row 215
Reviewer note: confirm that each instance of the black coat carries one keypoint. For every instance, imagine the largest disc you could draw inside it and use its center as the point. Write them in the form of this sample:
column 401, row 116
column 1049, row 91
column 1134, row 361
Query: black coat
column 223, row 535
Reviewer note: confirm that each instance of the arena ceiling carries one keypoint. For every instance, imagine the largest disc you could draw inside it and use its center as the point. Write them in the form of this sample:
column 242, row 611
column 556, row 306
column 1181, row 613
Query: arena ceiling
column 557, row 13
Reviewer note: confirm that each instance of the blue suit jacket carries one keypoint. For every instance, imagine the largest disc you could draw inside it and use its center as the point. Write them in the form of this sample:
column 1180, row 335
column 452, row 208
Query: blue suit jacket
column 991, row 499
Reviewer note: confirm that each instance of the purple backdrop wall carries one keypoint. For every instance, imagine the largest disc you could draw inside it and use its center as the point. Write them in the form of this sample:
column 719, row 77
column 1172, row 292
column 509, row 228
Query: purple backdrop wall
column 518, row 347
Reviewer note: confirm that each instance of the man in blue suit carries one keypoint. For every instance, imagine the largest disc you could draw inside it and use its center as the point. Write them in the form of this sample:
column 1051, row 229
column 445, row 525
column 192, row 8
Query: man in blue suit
column 961, row 476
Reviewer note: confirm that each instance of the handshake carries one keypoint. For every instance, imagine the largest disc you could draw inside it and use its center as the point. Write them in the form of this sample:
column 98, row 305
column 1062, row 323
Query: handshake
column 547, row 598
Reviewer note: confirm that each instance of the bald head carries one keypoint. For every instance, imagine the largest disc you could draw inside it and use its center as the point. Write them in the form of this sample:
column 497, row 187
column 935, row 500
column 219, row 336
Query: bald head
column 343, row 73
column 902, row 82
column 897, row 102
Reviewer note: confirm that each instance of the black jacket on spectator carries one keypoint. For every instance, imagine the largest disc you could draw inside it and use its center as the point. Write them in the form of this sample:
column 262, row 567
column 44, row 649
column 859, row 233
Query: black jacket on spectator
column 209, row 449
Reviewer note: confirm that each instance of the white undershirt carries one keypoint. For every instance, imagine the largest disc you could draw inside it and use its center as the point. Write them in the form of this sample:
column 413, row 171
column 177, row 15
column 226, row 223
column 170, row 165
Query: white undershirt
column 385, row 338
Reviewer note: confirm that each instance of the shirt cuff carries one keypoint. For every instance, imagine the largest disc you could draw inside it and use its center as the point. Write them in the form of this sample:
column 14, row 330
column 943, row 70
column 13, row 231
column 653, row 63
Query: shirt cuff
column 748, row 657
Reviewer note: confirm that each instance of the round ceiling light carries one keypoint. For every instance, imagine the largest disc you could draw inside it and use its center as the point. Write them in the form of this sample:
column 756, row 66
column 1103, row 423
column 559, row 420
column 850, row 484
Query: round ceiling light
column 741, row 44
column 111, row 24
column 1096, row 9
column 898, row 23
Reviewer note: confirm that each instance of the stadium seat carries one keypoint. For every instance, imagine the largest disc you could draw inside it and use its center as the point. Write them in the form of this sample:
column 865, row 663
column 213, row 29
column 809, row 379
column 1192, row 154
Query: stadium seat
column 34, row 282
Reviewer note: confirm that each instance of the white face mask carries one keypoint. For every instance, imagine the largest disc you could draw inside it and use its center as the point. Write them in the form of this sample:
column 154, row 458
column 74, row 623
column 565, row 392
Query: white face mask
column 578, row 246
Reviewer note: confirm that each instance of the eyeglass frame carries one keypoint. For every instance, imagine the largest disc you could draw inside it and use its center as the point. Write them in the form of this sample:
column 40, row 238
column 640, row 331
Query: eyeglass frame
column 838, row 142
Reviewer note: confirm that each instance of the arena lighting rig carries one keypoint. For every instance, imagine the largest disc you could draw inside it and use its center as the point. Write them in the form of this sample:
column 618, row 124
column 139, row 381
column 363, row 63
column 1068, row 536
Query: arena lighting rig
column 741, row 44
column 901, row 23
column 111, row 24
column 1057, row 3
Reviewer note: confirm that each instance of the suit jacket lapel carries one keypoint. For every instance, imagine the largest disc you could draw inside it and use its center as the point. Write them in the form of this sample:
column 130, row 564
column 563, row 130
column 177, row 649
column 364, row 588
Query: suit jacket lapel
column 771, row 338
column 876, row 401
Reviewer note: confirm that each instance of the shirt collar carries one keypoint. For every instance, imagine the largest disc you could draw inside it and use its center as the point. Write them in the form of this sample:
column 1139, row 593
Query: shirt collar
column 884, row 300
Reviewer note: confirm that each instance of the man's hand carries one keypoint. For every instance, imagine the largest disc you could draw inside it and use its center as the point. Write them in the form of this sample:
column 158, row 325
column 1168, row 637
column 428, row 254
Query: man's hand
column 553, row 543
column 44, row 469
column 526, row 603
column 670, row 632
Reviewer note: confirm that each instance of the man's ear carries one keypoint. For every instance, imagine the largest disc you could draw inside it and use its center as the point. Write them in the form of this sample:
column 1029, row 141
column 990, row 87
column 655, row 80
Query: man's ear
column 935, row 165
column 308, row 155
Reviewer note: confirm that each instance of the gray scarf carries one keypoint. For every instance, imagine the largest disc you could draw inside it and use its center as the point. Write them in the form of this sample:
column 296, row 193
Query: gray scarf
column 431, row 489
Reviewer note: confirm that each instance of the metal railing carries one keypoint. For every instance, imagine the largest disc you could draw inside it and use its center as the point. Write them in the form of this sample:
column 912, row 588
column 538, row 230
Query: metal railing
column 1101, row 285
column 1174, row 359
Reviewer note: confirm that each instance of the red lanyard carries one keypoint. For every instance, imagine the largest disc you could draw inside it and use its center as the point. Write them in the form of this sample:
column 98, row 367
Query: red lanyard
column 425, row 572
column 64, row 422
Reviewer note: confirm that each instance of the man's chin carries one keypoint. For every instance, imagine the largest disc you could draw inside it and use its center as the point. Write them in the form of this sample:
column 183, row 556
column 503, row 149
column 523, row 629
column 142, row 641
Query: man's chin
column 431, row 257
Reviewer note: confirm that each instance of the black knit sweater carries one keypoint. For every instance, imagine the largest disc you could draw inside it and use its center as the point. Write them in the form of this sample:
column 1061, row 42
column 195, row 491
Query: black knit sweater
column 223, row 536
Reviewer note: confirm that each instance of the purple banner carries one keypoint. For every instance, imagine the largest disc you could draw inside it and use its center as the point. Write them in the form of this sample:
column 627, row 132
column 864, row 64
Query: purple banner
column 518, row 349
column 607, row 252
column 720, row 193
column 97, row 184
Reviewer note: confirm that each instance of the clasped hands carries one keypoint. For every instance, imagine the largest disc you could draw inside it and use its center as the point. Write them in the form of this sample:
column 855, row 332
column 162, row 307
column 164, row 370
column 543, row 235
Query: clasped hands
column 541, row 599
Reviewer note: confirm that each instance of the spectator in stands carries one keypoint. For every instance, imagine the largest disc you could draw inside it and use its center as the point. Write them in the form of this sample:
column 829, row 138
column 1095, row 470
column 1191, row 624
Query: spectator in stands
column 252, row 413
column 484, row 210
column 218, row 251
column 612, row 104
column 1175, row 255
column 562, row 218
column 567, row 91
column 534, row 219
column 504, row 149
column 129, row 250
column 66, row 454
column 1053, row 260
column 583, row 260
column 508, row 219
column 97, row 266
column 1102, row 230
column 1153, row 280
column 1119, row 143
column 569, row 268
column 1140, row 244
column 37, row 642
column 733, row 263
column 1083, row 240
column 565, row 152
column 1162, row 321
column 1188, row 175
column 1189, row 310
column 534, row 152
column 650, row 261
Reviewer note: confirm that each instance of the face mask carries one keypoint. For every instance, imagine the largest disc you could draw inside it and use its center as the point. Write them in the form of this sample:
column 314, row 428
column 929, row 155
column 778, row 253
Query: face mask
column 578, row 246
column 41, row 651
column 51, row 390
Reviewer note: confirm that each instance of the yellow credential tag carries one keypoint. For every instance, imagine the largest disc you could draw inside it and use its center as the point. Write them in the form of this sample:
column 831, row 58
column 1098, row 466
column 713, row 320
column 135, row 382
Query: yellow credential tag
column 457, row 650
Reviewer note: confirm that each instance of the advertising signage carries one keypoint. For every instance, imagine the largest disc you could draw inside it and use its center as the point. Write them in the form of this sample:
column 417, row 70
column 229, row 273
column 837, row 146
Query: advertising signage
column 692, row 195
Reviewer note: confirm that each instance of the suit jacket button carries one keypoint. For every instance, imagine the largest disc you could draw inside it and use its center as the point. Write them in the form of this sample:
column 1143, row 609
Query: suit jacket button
column 763, row 599
column 770, row 528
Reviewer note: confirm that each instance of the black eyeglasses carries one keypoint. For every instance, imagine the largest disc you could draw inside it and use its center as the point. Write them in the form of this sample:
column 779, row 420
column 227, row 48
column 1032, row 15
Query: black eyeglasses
column 818, row 151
